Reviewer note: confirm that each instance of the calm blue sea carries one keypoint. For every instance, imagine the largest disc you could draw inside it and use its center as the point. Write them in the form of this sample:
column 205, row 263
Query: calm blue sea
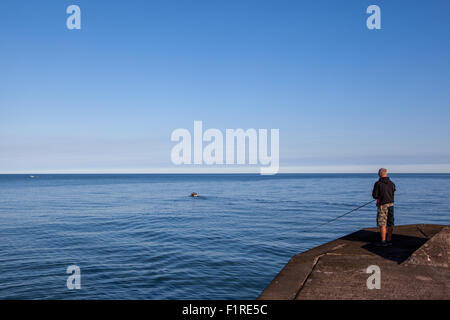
column 143, row 237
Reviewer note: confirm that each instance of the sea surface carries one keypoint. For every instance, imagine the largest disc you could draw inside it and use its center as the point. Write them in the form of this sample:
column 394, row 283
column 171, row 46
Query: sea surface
column 143, row 237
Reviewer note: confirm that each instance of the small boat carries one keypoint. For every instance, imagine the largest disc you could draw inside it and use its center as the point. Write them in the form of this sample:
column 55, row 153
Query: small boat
column 32, row 177
column 194, row 194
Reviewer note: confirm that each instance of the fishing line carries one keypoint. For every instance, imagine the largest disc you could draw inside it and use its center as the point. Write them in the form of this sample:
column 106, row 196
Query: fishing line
column 347, row 213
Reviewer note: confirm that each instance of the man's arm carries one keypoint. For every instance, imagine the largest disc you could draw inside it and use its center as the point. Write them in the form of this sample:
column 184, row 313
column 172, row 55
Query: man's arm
column 375, row 192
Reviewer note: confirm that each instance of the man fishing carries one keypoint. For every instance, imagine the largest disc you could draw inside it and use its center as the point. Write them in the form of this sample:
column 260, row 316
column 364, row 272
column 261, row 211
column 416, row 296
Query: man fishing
column 383, row 192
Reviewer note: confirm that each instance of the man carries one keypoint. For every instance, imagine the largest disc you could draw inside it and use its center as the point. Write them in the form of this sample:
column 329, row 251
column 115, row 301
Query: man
column 383, row 191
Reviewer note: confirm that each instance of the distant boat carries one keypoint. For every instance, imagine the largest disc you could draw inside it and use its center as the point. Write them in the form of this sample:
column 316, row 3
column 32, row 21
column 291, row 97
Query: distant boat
column 194, row 194
column 32, row 177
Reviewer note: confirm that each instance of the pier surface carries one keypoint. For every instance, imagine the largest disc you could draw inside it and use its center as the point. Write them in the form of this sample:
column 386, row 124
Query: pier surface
column 416, row 266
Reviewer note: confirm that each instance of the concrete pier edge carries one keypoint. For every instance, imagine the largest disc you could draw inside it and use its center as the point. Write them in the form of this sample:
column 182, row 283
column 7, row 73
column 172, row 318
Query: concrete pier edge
column 416, row 266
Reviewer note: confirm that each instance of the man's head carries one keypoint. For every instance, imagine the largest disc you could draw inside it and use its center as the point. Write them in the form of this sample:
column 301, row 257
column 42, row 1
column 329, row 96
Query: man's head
column 382, row 172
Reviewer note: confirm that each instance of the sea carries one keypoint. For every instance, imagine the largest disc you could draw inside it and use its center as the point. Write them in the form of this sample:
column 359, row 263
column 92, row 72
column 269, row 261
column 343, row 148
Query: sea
column 143, row 237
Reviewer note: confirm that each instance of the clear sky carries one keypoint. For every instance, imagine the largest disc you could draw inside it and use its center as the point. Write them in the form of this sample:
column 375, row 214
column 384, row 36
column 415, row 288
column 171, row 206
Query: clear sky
column 106, row 98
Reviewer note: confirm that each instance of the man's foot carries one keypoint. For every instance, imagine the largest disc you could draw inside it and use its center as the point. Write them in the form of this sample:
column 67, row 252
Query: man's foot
column 381, row 244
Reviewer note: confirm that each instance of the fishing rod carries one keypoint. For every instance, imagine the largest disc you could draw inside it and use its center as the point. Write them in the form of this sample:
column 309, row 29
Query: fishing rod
column 347, row 213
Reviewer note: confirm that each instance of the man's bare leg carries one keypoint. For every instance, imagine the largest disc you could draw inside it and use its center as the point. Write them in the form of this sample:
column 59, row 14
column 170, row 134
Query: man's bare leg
column 389, row 230
column 383, row 233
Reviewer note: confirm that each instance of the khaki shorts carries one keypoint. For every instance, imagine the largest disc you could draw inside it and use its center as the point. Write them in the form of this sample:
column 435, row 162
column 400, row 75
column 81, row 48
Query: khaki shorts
column 385, row 216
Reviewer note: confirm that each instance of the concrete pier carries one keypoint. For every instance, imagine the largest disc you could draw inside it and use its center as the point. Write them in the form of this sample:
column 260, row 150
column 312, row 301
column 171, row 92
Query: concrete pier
column 416, row 266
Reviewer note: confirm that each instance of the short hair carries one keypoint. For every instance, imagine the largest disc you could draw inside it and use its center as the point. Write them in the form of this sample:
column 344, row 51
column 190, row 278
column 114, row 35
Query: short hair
column 382, row 171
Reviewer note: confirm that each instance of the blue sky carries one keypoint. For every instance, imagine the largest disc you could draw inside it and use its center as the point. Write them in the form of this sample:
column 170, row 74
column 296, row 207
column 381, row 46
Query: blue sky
column 106, row 98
